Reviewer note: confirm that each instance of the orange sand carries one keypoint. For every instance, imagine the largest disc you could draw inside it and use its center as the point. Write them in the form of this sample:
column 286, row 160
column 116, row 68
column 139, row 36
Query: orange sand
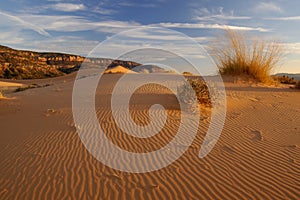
column 256, row 157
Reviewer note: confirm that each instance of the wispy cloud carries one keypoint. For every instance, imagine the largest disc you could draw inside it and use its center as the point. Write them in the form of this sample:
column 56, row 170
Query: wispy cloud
column 143, row 5
column 221, row 17
column 24, row 24
column 203, row 14
column 159, row 35
column 211, row 26
column 102, row 11
column 134, row 42
column 292, row 48
column 63, row 24
column 66, row 44
column 291, row 18
column 268, row 7
column 67, row 7
column 70, row 23
column 11, row 38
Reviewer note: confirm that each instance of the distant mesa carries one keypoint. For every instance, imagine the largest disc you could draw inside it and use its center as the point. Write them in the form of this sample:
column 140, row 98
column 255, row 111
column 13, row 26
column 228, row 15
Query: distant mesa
column 19, row 64
column 149, row 69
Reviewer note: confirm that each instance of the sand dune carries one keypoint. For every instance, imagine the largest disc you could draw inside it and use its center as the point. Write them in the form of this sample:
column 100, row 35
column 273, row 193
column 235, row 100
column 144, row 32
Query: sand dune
column 6, row 87
column 119, row 69
column 257, row 156
column 9, row 84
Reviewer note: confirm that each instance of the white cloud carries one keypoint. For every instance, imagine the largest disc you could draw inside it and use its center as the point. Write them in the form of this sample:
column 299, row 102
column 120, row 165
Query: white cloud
column 159, row 36
column 221, row 17
column 11, row 37
column 203, row 14
column 103, row 11
column 63, row 23
column 211, row 26
column 130, row 4
column 65, row 44
column 291, row 18
column 292, row 48
column 24, row 24
column 268, row 7
column 202, row 11
column 69, row 23
column 68, row 7
column 14, row 35
column 136, row 42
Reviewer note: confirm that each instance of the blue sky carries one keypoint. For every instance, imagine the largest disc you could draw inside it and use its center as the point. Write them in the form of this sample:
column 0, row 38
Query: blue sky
column 77, row 26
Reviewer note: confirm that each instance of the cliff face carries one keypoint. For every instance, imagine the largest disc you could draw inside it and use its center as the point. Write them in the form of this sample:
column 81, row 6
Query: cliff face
column 18, row 64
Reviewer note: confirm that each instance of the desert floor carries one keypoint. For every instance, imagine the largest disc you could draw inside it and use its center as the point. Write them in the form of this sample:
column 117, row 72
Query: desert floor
column 42, row 156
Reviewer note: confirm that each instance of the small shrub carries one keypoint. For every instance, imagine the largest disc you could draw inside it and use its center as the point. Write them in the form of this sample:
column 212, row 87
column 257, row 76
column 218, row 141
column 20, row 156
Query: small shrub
column 32, row 86
column 205, row 93
column 285, row 80
column 236, row 54
column 1, row 95
column 20, row 89
column 187, row 74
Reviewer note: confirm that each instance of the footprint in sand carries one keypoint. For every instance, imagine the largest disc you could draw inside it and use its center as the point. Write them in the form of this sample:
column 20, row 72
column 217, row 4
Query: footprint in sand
column 293, row 146
column 228, row 148
column 276, row 96
column 253, row 99
column 50, row 112
column 235, row 115
column 150, row 187
column 256, row 136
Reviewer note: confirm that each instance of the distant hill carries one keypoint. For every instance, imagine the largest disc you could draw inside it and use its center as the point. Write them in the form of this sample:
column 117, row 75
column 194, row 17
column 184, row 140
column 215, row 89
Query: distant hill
column 119, row 70
column 295, row 76
column 19, row 64
column 149, row 69
column 139, row 68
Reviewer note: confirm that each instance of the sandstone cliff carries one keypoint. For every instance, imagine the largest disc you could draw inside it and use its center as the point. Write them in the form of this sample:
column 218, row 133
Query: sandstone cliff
column 18, row 64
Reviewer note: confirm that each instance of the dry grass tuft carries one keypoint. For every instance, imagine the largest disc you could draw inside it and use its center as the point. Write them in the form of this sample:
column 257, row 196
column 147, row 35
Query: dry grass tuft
column 205, row 93
column 236, row 54
column 187, row 74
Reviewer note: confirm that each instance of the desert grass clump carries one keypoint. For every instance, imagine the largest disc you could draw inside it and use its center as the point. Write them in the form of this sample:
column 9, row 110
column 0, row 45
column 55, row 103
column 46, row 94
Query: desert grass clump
column 285, row 80
column 32, row 86
column 187, row 74
column 205, row 93
column 237, row 54
column 1, row 95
